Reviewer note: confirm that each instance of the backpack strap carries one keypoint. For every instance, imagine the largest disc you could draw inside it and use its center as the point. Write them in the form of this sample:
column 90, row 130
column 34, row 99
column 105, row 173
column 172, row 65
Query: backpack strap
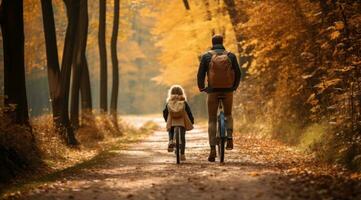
column 213, row 52
column 225, row 52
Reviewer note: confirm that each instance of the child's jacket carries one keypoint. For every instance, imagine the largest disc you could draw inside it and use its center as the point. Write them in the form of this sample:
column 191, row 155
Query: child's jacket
column 178, row 113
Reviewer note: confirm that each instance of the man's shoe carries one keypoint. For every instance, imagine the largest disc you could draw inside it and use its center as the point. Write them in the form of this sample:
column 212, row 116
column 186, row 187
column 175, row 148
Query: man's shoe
column 183, row 157
column 229, row 144
column 212, row 154
column 170, row 146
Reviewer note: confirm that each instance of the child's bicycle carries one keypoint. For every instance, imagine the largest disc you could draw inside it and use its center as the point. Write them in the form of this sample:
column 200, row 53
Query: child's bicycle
column 221, row 129
column 178, row 142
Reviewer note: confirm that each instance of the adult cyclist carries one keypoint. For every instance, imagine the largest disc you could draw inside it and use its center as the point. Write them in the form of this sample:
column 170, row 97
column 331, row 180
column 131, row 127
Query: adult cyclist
column 223, row 78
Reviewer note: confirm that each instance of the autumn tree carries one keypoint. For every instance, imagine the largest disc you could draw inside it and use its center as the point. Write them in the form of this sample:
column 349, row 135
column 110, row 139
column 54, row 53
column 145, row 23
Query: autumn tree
column 53, row 66
column 85, row 91
column 80, row 68
column 237, row 16
column 114, row 39
column 59, row 80
column 103, row 57
column 12, row 27
column 195, row 41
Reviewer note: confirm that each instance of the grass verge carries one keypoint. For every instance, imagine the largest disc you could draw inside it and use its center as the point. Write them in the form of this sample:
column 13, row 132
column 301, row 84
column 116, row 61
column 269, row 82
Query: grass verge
column 97, row 143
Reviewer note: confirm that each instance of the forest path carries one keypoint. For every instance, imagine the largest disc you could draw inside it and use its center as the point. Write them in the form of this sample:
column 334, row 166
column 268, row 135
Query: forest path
column 253, row 170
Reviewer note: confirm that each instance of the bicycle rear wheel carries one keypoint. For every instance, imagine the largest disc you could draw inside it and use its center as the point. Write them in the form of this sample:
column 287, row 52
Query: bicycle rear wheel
column 177, row 132
column 222, row 136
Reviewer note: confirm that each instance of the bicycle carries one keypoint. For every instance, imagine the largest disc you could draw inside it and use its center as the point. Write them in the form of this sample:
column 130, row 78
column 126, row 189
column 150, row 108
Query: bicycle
column 221, row 135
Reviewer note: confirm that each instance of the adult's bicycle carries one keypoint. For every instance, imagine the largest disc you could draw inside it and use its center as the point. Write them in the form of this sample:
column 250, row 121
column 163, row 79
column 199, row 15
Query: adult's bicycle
column 221, row 134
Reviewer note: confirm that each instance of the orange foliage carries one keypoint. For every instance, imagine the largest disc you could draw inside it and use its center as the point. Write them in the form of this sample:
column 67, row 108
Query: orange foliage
column 184, row 35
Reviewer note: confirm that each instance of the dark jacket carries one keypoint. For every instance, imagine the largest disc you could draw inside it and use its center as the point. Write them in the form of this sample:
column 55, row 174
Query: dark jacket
column 203, row 70
column 188, row 110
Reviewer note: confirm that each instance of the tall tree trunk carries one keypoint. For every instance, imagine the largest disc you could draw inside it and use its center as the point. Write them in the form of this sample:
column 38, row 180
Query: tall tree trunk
column 85, row 89
column 59, row 80
column 53, row 66
column 12, row 26
column 186, row 4
column 103, row 58
column 74, row 100
column 78, row 59
column 68, row 53
column 1, row 13
column 115, row 86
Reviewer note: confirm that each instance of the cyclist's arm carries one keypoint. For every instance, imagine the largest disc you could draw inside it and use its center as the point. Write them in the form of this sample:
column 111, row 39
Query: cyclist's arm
column 189, row 113
column 165, row 113
column 202, row 70
column 237, row 71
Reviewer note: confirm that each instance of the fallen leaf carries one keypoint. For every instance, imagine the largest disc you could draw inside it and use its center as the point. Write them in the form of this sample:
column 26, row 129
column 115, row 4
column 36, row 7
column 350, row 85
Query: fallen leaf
column 334, row 35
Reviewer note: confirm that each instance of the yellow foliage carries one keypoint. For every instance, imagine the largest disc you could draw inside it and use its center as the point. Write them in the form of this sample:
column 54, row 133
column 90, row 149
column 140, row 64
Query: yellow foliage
column 184, row 36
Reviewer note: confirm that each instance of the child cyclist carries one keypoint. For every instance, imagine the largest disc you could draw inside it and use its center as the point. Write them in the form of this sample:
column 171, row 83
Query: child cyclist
column 177, row 113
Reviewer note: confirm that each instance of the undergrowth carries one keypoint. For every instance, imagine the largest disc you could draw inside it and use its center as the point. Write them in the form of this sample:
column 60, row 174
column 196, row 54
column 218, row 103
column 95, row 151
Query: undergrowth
column 46, row 155
column 303, row 78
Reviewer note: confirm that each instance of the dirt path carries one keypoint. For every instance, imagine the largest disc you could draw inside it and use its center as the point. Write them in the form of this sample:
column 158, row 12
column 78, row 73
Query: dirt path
column 147, row 171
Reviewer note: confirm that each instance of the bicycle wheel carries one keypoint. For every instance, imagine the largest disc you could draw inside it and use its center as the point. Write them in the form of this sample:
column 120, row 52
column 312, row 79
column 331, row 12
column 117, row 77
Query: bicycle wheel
column 177, row 143
column 222, row 135
column 223, row 141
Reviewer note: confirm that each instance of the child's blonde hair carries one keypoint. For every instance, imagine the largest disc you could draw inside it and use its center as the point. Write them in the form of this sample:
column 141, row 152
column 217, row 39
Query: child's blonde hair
column 176, row 90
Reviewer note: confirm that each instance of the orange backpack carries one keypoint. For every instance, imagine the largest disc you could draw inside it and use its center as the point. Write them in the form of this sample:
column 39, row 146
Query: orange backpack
column 220, row 72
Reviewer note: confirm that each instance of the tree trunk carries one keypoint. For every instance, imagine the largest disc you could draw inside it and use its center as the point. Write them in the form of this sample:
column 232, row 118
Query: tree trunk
column 74, row 101
column 52, row 60
column 1, row 13
column 59, row 80
column 68, row 53
column 115, row 86
column 103, row 58
column 186, row 4
column 12, row 26
column 78, row 59
column 85, row 89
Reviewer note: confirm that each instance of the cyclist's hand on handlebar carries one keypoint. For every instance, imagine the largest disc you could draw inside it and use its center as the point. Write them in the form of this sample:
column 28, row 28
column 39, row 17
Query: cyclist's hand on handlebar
column 206, row 89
